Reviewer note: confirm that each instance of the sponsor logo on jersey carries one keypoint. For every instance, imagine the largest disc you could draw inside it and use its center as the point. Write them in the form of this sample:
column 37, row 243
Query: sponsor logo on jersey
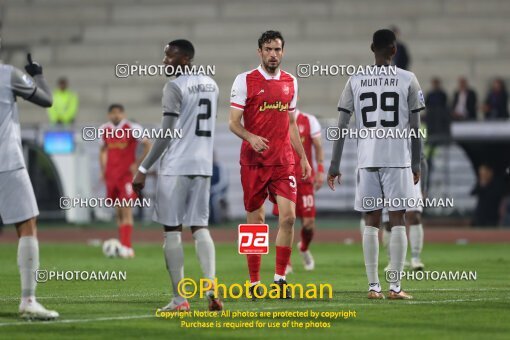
column 278, row 105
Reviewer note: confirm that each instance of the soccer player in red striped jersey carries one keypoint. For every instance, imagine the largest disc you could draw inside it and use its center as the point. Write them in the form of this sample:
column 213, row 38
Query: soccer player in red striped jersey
column 265, row 98
column 310, row 132
column 117, row 158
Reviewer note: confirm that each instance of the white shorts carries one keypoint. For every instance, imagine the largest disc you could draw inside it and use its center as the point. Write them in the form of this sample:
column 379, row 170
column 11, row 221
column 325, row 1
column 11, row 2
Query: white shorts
column 390, row 184
column 418, row 197
column 182, row 200
column 17, row 198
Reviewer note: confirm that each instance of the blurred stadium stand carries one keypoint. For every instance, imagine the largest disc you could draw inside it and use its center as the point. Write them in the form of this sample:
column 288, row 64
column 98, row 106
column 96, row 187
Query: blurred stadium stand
column 84, row 40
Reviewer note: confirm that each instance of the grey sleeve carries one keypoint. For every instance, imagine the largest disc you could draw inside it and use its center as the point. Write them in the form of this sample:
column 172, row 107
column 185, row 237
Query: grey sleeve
column 414, row 124
column 346, row 102
column 424, row 174
column 167, row 123
column 338, row 146
column 34, row 90
column 415, row 98
column 172, row 99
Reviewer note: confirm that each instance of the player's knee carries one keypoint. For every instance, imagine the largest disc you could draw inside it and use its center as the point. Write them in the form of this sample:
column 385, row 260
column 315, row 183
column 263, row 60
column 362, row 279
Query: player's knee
column 287, row 221
column 413, row 218
column 308, row 223
column 27, row 228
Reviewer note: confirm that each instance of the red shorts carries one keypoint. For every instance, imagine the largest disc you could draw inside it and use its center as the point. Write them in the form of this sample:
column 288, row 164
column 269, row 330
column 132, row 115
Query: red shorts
column 305, row 201
column 120, row 188
column 259, row 181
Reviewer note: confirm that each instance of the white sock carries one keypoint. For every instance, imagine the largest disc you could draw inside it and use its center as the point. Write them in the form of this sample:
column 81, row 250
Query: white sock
column 174, row 258
column 398, row 250
column 278, row 277
column 416, row 240
column 28, row 263
column 386, row 235
column 362, row 225
column 371, row 253
column 204, row 247
column 254, row 283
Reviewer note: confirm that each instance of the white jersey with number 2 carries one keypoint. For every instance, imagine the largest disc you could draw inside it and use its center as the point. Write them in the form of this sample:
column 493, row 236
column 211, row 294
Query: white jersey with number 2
column 194, row 100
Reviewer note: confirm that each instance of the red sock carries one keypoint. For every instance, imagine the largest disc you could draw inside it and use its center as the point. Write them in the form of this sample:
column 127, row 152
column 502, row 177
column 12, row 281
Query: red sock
column 282, row 259
column 129, row 232
column 254, row 261
column 125, row 231
column 306, row 238
column 122, row 233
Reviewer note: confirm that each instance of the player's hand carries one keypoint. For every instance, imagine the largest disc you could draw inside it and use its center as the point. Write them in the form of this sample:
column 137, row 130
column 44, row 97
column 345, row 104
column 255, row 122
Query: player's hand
column 139, row 183
column 306, row 169
column 319, row 180
column 416, row 177
column 331, row 178
column 32, row 68
column 258, row 143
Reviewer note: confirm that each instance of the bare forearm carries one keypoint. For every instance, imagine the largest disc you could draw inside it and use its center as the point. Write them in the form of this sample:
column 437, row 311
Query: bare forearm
column 102, row 159
column 238, row 129
column 295, row 140
column 319, row 152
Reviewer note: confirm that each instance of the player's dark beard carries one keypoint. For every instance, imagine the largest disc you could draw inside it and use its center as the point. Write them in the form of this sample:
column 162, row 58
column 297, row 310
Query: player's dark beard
column 271, row 68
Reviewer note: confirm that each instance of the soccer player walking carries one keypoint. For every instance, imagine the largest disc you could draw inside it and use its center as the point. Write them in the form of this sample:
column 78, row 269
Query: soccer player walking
column 265, row 98
column 184, row 178
column 388, row 167
column 310, row 133
column 17, row 199
column 117, row 158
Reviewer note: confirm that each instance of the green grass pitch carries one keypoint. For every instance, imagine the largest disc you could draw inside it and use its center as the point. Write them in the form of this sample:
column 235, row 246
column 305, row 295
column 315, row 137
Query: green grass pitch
column 124, row 309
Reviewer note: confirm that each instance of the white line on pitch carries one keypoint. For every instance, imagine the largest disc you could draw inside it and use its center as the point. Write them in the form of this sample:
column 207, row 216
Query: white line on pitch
column 129, row 317
column 145, row 316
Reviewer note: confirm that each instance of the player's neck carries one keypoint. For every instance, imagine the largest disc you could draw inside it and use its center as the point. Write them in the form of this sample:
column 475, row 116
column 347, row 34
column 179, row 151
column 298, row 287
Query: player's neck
column 382, row 61
column 274, row 73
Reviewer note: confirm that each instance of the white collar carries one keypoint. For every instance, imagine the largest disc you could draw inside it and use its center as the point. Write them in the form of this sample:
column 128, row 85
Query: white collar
column 267, row 75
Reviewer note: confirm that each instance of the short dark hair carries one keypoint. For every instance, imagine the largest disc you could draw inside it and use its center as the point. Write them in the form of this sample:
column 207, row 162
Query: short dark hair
column 383, row 39
column 268, row 36
column 115, row 106
column 184, row 46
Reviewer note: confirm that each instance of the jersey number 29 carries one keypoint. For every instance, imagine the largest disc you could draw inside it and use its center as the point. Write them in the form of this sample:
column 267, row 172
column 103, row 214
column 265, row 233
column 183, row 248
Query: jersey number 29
column 384, row 106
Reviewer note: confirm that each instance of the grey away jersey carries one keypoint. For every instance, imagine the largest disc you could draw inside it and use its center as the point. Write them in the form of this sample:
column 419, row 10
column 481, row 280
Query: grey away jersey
column 194, row 100
column 13, row 83
column 383, row 102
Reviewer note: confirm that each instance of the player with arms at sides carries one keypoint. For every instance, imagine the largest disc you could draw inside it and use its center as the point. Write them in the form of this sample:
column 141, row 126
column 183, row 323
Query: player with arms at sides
column 117, row 158
column 413, row 218
column 310, row 133
column 265, row 98
column 388, row 167
column 184, row 177
column 18, row 205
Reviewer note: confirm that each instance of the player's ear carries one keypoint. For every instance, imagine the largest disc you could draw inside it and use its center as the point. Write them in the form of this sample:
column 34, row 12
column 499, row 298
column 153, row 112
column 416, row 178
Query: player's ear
column 394, row 49
column 372, row 47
